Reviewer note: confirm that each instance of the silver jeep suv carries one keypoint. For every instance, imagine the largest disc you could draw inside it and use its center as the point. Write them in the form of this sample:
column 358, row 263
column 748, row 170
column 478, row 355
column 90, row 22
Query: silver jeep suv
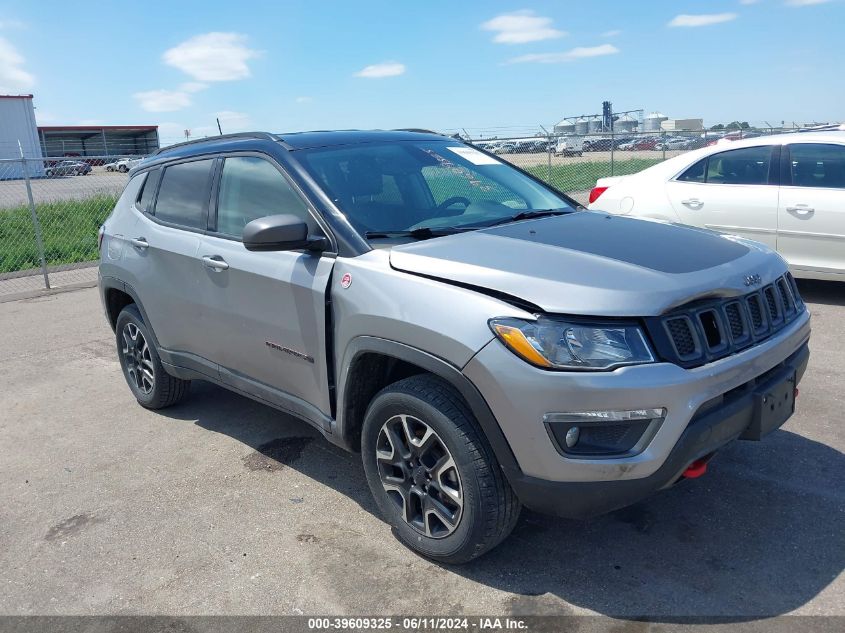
column 480, row 338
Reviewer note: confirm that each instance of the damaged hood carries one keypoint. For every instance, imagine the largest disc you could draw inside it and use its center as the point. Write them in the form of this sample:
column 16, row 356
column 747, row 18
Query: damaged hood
column 594, row 264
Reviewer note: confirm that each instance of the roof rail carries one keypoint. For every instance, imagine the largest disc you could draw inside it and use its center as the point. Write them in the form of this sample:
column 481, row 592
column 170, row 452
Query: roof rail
column 417, row 129
column 257, row 135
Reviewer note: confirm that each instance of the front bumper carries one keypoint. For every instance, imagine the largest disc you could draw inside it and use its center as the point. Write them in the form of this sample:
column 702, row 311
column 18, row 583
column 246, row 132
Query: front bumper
column 705, row 434
column 519, row 395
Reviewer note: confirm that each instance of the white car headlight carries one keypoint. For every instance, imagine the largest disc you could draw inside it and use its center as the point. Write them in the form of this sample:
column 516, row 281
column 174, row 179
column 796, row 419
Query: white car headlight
column 559, row 344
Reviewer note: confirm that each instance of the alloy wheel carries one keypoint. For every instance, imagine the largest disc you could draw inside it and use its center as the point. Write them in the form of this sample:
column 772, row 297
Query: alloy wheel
column 138, row 359
column 420, row 476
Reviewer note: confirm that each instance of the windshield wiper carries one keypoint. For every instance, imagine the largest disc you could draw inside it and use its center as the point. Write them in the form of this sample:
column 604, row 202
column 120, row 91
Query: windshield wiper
column 422, row 233
column 530, row 215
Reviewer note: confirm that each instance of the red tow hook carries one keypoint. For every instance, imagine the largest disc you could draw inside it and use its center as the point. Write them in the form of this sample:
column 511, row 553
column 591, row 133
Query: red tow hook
column 696, row 469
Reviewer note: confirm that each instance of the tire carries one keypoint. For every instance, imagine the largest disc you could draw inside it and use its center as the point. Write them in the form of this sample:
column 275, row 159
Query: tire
column 151, row 385
column 481, row 503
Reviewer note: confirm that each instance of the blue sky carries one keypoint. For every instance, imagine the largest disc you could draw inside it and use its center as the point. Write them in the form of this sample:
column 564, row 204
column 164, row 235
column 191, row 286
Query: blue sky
column 444, row 65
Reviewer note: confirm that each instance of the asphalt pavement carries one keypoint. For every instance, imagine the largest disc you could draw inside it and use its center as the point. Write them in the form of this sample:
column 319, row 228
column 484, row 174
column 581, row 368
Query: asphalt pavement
column 223, row 506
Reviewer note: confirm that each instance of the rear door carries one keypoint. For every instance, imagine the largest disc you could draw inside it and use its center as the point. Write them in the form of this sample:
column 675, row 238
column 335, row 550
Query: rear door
column 166, row 240
column 811, row 212
column 264, row 313
column 734, row 191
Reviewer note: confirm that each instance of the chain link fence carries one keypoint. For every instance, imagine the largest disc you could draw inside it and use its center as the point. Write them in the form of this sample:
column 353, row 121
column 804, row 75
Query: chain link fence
column 573, row 163
column 51, row 208
column 50, row 211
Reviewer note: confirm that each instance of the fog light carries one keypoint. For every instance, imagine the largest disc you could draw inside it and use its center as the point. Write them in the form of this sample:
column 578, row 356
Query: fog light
column 572, row 436
column 612, row 433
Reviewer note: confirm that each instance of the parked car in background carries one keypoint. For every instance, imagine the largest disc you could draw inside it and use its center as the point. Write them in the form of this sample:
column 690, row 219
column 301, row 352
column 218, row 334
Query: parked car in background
column 671, row 143
column 787, row 191
column 506, row 147
column 110, row 166
column 569, row 146
column 737, row 135
column 481, row 340
column 126, row 164
column 68, row 168
column 605, row 144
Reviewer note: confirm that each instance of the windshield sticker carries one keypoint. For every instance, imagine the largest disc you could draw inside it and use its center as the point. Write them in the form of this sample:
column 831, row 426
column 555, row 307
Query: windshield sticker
column 459, row 170
column 473, row 155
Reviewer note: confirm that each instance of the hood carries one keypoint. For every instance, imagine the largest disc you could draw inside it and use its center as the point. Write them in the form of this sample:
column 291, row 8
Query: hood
column 594, row 264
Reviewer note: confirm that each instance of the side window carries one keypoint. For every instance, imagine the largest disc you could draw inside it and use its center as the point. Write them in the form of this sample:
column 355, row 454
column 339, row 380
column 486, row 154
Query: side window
column 817, row 165
column 747, row 166
column 694, row 173
column 148, row 191
column 183, row 194
column 252, row 188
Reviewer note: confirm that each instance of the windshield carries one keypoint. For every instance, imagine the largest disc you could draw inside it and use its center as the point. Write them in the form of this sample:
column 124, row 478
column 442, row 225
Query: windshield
column 411, row 185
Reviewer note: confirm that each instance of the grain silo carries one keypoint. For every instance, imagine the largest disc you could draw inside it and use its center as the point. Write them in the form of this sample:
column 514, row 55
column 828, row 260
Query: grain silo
column 582, row 126
column 565, row 127
column 652, row 122
column 594, row 125
column 625, row 124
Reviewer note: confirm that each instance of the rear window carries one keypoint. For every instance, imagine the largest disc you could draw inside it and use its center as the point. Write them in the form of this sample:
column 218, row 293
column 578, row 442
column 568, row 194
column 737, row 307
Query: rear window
column 695, row 173
column 148, row 191
column 183, row 194
column 746, row 166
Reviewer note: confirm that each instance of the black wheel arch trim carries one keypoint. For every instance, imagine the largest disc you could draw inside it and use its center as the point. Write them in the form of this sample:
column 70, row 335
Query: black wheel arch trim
column 113, row 283
column 437, row 366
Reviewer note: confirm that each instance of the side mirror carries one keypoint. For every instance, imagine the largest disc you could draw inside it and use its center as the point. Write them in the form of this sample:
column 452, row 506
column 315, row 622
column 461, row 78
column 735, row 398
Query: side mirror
column 282, row 232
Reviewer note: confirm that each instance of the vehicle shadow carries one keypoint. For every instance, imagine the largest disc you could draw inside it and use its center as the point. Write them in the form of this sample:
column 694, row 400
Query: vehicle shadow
column 759, row 535
column 825, row 292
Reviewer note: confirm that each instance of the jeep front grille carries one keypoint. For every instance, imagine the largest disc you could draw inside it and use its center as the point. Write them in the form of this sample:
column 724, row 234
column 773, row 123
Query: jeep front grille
column 709, row 330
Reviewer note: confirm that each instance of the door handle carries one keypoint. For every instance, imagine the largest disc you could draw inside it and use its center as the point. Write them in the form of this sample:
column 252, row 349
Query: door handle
column 139, row 242
column 692, row 203
column 215, row 262
column 801, row 209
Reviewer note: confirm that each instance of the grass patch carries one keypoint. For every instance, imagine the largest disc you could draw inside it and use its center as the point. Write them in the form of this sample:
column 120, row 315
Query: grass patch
column 581, row 176
column 68, row 228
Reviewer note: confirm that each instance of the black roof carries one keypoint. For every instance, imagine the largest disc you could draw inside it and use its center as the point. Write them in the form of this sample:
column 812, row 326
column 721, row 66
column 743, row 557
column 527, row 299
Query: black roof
column 328, row 138
column 297, row 140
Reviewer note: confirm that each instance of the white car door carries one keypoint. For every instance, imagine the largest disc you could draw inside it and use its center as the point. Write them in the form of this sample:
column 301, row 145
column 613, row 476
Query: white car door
column 811, row 211
column 730, row 191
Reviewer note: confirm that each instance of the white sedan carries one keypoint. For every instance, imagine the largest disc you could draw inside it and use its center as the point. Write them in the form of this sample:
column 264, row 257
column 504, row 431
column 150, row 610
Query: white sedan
column 787, row 191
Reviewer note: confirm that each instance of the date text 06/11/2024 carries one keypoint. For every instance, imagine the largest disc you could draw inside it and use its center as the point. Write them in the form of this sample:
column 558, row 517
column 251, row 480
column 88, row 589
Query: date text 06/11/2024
column 417, row 623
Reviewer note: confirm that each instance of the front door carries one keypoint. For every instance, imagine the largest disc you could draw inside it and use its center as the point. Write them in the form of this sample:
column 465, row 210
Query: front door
column 264, row 312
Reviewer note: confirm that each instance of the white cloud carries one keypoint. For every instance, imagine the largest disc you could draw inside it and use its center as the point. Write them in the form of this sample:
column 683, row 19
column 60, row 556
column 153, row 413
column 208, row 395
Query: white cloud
column 12, row 24
column 704, row 19
column 304, row 99
column 162, row 100
column 612, row 33
column 13, row 77
column 580, row 52
column 378, row 71
column 520, row 27
column 192, row 86
column 804, row 3
column 212, row 57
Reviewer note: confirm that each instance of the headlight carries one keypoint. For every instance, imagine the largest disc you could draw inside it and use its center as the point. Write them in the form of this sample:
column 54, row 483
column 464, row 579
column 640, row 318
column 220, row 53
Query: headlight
column 558, row 344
